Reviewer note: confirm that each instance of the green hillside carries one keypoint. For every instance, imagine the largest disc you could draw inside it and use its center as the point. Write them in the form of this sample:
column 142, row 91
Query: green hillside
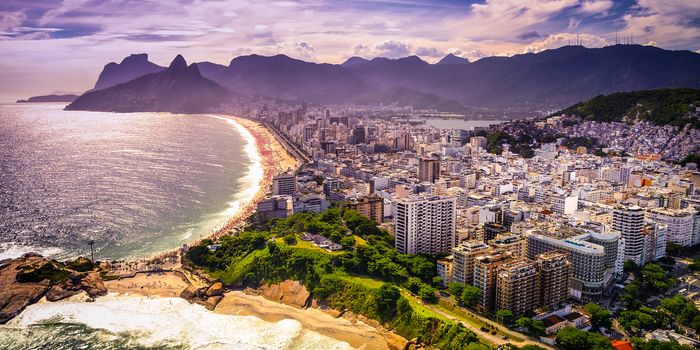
column 662, row 106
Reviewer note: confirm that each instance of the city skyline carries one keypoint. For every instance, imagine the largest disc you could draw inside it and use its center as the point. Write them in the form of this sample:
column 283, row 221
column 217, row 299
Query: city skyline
column 62, row 45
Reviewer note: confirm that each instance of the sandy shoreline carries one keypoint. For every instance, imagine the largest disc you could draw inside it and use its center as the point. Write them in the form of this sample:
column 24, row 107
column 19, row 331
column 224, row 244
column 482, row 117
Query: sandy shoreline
column 274, row 159
column 169, row 284
column 356, row 333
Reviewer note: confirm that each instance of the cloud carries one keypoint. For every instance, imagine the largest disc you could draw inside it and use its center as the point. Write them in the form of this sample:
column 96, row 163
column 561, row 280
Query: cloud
column 501, row 19
column 302, row 50
column 393, row 49
column 573, row 23
column 560, row 39
column 389, row 49
column 76, row 34
column 9, row 21
column 672, row 22
column 529, row 35
column 472, row 54
column 596, row 7
column 429, row 52
column 65, row 7
column 651, row 43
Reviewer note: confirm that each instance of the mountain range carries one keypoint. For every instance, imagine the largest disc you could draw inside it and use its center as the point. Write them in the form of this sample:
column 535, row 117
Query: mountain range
column 178, row 88
column 535, row 81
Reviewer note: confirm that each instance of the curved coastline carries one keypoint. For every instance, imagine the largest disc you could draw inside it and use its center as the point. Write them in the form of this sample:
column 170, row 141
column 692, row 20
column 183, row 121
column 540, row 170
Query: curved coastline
column 268, row 158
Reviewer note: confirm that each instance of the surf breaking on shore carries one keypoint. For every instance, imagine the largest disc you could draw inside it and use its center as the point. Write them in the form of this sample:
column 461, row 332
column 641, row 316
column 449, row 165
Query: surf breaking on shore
column 162, row 322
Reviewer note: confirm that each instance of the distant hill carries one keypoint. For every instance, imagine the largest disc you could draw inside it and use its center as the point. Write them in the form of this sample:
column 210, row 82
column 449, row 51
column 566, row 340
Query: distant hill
column 178, row 88
column 662, row 106
column 130, row 68
column 452, row 59
column 545, row 80
column 50, row 98
column 529, row 82
column 354, row 61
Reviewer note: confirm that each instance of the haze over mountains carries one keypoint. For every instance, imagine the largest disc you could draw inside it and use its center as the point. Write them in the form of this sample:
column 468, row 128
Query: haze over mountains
column 537, row 81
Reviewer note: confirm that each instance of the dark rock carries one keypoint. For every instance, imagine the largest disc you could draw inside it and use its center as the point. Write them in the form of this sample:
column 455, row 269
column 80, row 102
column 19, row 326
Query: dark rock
column 215, row 289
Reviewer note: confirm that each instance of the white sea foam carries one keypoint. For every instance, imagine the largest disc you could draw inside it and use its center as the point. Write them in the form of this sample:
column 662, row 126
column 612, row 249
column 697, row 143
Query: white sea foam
column 12, row 250
column 157, row 321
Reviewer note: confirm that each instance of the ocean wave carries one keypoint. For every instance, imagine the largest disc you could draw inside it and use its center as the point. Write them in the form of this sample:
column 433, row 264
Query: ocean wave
column 15, row 250
column 163, row 323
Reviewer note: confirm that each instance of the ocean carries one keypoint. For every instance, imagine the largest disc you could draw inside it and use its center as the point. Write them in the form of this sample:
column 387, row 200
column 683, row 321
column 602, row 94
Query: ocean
column 135, row 183
column 137, row 322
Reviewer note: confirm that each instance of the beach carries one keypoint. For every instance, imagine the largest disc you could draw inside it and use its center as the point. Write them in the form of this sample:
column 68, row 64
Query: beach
column 274, row 159
column 356, row 333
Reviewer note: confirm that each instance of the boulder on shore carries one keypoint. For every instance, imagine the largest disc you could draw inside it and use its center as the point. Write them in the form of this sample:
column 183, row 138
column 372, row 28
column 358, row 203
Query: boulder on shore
column 215, row 289
column 289, row 292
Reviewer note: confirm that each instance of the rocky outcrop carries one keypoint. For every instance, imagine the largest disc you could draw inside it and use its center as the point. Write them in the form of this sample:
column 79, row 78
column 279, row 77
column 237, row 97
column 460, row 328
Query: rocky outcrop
column 93, row 285
column 23, row 281
column 208, row 297
column 289, row 292
column 14, row 296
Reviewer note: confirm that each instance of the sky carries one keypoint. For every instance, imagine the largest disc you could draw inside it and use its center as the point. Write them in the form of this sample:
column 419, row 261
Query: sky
column 62, row 45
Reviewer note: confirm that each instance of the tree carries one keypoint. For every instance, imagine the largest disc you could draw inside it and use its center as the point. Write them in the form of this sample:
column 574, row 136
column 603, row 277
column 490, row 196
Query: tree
column 599, row 316
column 635, row 321
column 455, row 289
column 570, row 338
column 347, row 242
column 437, row 281
column 641, row 344
column 414, row 284
column 385, row 299
column 428, row 294
column 630, row 266
column 470, row 296
column 534, row 327
column 505, row 316
column 290, row 239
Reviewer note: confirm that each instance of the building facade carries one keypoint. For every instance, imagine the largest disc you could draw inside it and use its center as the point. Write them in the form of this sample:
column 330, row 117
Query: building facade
column 629, row 221
column 284, row 184
column 517, row 286
column 587, row 259
column 463, row 263
column 371, row 206
column 555, row 275
column 428, row 169
column 425, row 225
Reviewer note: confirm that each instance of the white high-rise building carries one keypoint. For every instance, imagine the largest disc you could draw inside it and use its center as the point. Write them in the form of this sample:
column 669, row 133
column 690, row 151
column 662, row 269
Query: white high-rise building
column 564, row 204
column 654, row 241
column 682, row 228
column 425, row 225
column 629, row 220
